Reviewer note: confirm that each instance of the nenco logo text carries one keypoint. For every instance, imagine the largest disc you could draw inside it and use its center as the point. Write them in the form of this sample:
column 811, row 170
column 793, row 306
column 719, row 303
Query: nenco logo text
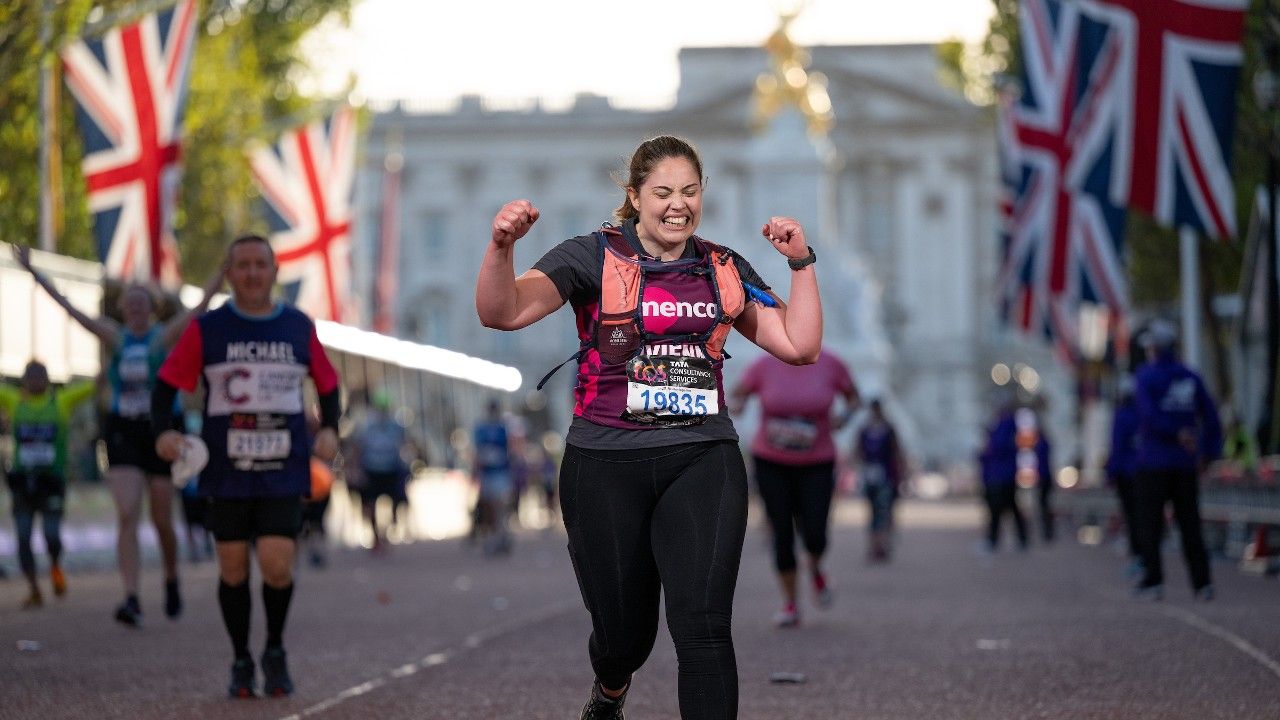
column 669, row 309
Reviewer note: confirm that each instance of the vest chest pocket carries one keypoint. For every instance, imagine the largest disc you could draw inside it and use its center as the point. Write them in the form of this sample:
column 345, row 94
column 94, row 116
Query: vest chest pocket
column 617, row 340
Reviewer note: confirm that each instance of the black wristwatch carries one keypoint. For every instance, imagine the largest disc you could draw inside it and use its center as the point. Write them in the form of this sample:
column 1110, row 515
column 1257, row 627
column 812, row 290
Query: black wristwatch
column 797, row 264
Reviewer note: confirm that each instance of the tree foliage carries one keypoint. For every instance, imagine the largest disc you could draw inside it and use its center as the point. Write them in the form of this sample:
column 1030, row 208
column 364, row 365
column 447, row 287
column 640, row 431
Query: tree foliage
column 243, row 87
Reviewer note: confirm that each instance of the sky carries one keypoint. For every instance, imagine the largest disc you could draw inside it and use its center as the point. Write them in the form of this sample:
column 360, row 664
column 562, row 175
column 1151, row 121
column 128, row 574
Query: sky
column 428, row 50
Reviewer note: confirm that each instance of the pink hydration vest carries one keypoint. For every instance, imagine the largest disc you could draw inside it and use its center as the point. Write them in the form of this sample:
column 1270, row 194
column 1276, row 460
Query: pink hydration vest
column 653, row 344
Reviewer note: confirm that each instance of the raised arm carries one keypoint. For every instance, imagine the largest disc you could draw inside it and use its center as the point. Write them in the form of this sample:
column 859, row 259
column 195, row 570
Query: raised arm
column 792, row 331
column 176, row 324
column 503, row 301
column 106, row 330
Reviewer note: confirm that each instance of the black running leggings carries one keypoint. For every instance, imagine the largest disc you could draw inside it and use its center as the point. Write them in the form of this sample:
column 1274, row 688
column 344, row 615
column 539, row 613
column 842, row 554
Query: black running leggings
column 643, row 523
column 796, row 495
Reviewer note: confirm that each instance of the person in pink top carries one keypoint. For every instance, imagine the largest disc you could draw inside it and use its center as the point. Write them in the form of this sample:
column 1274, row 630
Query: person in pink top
column 795, row 460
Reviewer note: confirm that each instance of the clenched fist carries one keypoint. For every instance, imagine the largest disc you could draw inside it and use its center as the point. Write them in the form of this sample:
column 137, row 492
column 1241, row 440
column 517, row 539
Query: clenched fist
column 513, row 221
column 169, row 445
column 325, row 445
column 787, row 236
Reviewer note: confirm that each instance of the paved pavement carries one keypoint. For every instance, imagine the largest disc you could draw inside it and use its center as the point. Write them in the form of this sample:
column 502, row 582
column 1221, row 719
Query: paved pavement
column 433, row 630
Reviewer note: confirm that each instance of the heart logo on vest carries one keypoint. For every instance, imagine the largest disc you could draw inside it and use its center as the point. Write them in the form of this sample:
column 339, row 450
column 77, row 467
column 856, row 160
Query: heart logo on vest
column 655, row 320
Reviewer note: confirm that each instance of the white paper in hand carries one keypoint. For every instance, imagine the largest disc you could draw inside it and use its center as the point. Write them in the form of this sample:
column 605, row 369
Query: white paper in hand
column 195, row 455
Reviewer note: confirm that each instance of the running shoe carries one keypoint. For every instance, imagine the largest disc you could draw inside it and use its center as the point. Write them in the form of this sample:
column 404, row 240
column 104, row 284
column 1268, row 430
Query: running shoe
column 59, row 581
column 602, row 707
column 33, row 601
column 172, row 599
column 822, row 596
column 787, row 617
column 241, row 679
column 1149, row 593
column 129, row 613
column 275, row 673
column 1205, row 594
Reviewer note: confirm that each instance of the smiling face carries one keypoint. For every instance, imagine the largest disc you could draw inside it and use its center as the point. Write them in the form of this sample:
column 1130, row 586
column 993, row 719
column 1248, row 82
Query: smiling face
column 669, row 204
column 251, row 272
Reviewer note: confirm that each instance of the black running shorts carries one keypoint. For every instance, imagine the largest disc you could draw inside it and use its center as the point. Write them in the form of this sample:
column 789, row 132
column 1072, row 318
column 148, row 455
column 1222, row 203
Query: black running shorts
column 130, row 442
column 243, row 519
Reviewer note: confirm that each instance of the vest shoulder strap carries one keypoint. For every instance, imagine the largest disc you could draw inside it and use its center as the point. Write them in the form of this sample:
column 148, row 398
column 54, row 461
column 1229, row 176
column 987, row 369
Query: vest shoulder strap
column 620, row 276
column 733, row 298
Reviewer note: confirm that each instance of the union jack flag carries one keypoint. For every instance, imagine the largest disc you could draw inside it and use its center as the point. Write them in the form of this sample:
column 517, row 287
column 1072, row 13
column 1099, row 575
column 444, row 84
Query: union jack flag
column 1063, row 233
column 131, row 85
column 307, row 179
column 1181, row 65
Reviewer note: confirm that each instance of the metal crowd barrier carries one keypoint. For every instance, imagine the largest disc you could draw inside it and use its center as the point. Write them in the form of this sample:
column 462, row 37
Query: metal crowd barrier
column 1239, row 506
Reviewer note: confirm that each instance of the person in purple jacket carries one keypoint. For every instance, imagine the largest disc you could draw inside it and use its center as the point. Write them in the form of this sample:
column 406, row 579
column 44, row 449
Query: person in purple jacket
column 1178, row 432
column 881, row 466
column 999, row 463
column 1121, row 466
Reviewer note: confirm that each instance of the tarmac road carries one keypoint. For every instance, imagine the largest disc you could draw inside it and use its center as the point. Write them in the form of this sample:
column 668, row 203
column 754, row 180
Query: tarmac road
column 433, row 630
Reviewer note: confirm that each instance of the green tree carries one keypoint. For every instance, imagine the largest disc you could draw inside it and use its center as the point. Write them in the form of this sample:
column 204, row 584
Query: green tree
column 247, row 55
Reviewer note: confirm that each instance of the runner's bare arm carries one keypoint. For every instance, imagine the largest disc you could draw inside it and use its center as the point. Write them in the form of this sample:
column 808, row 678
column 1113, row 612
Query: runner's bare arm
column 791, row 332
column 104, row 328
column 503, row 301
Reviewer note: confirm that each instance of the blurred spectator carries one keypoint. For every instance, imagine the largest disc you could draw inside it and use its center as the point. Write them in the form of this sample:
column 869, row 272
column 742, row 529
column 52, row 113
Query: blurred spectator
column 492, row 471
column 999, row 462
column 1179, row 433
column 1038, row 443
column 381, row 445
column 881, row 468
column 1121, row 467
column 1239, row 445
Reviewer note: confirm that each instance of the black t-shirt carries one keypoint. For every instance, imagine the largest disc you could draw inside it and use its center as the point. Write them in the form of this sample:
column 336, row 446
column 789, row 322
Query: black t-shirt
column 574, row 268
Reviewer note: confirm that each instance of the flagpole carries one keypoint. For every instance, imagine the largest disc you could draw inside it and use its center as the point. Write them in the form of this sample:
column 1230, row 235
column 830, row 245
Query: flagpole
column 47, row 121
column 1189, row 252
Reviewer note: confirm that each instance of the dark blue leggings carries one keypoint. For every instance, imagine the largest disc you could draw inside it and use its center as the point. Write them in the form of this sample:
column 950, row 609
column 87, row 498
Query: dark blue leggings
column 42, row 495
column 662, row 521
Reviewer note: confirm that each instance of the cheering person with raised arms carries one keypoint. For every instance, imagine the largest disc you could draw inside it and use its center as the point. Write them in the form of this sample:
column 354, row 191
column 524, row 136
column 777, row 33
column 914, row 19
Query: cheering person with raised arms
column 653, row 489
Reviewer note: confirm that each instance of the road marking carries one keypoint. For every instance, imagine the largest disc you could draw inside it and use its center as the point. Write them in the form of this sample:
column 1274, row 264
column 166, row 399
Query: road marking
column 440, row 657
column 1223, row 634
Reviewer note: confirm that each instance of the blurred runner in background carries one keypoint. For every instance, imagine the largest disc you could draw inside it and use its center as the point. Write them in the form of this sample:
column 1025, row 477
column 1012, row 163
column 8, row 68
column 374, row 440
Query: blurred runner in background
column 794, row 459
column 136, row 348
column 881, row 467
column 37, row 477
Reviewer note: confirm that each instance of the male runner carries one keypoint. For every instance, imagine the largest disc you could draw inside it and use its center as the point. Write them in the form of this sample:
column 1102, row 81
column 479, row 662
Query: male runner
column 252, row 354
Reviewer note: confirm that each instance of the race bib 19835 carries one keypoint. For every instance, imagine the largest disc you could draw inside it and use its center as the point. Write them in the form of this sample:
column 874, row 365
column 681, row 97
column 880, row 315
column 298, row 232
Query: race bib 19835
column 670, row 386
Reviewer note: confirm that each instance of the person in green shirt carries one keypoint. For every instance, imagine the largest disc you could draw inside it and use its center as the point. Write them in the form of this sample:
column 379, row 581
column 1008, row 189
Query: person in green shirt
column 37, row 473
